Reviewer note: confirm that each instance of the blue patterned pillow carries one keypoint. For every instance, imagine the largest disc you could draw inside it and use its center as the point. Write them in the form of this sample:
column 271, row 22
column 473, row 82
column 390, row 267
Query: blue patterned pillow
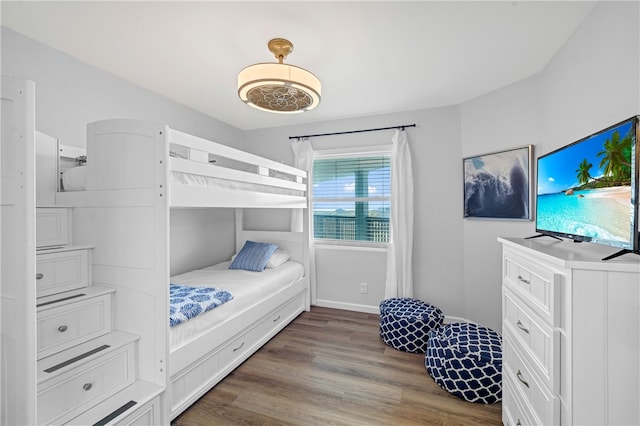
column 253, row 256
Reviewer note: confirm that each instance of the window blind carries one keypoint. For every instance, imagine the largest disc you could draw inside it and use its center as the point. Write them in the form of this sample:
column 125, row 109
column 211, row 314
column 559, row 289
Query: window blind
column 351, row 198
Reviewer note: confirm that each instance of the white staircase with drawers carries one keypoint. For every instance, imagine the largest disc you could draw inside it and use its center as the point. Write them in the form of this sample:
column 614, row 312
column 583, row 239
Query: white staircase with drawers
column 82, row 341
column 86, row 370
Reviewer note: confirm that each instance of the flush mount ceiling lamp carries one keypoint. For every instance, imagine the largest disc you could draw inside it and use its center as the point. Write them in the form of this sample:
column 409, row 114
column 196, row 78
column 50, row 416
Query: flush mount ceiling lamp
column 279, row 87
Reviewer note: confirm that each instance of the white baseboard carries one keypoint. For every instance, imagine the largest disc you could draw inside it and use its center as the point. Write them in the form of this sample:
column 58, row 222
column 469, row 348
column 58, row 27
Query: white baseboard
column 373, row 309
column 450, row 320
column 347, row 306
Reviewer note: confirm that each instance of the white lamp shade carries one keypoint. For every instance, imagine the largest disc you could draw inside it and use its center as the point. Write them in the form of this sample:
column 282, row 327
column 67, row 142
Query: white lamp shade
column 277, row 87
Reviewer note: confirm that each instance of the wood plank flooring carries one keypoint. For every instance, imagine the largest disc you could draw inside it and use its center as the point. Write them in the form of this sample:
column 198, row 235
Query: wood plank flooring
column 330, row 366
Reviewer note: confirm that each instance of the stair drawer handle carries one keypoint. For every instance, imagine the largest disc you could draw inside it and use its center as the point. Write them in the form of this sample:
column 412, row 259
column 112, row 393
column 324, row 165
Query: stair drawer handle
column 62, row 328
column 277, row 319
column 239, row 347
column 39, row 276
column 524, row 382
column 522, row 327
column 522, row 280
column 87, row 386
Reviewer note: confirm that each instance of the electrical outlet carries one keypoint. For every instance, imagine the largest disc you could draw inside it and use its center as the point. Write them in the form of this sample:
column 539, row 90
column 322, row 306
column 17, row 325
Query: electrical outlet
column 363, row 288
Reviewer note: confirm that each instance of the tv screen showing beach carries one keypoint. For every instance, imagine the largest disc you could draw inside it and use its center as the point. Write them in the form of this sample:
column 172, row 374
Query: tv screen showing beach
column 585, row 190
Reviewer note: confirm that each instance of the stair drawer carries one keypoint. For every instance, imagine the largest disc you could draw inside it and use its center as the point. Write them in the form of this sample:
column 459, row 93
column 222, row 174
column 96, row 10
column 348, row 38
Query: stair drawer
column 64, row 326
column 147, row 415
column 61, row 270
column 52, row 226
column 78, row 389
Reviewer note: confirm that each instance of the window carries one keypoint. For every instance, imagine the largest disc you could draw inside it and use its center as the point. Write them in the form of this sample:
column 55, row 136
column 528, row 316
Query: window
column 352, row 198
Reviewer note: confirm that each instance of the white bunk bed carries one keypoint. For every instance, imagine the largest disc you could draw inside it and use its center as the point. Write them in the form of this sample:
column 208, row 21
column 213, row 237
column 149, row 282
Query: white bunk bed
column 136, row 172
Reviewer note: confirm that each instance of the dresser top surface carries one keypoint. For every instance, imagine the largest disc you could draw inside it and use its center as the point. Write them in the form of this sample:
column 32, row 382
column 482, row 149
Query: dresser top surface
column 568, row 254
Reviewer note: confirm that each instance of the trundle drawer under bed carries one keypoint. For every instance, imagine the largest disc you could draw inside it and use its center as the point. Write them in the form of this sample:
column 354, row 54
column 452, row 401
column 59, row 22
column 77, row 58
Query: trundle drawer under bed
column 192, row 382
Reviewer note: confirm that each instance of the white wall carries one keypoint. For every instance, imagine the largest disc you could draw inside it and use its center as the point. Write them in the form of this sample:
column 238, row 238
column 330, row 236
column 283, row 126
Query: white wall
column 591, row 83
column 70, row 94
column 200, row 237
column 437, row 166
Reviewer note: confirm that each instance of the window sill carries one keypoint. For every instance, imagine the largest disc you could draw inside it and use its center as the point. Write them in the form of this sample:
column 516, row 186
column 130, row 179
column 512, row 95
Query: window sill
column 348, row 245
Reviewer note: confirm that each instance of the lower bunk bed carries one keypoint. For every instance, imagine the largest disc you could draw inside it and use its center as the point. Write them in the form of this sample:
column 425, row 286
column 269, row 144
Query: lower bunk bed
column 207, row 347
column 122, row 204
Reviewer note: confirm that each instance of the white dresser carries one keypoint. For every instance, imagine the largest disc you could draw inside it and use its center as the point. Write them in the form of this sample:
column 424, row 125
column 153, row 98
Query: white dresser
column 571, row 334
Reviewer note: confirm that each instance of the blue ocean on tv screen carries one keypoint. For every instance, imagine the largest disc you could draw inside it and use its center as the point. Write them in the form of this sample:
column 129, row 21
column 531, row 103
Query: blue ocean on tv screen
column 588, row 213
column 583, row 191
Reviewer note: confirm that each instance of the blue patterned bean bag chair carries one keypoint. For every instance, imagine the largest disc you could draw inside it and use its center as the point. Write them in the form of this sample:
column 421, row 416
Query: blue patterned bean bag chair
column 465, row 359
column 405, row 323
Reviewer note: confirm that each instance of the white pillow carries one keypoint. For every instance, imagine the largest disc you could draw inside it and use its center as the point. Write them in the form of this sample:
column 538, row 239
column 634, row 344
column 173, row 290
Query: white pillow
column 75, row 179
column 278, row 258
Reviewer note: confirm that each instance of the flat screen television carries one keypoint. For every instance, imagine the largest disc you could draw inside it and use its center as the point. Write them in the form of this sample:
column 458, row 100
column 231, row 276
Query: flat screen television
column 588, row 190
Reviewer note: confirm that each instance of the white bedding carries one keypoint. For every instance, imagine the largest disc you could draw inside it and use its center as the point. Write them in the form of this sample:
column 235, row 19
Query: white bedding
column 248, row 289
column 199, row 180
column 75, row 179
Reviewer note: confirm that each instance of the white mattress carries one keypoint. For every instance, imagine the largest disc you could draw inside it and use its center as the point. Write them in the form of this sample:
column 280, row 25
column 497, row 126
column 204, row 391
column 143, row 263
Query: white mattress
column 199, row 180
column 75, row 179
column 248, row 289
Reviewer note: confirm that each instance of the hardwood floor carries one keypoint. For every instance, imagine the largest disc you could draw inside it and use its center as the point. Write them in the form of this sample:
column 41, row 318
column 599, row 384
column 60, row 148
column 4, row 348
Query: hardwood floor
column 330, row 366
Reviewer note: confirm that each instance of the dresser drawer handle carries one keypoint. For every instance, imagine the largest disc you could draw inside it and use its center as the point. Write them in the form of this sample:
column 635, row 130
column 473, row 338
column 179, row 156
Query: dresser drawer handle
column 522, row 280
column 277, row 319
column 519, row 423
column 522, row 327
column 239, row 347
column 39, row 276
column 524, row 382
column 87, row 386
column 62, row 328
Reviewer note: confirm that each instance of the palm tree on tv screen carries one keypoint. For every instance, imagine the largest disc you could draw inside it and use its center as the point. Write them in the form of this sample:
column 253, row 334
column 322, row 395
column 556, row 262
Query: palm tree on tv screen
column 582, row 171
column 616, row 156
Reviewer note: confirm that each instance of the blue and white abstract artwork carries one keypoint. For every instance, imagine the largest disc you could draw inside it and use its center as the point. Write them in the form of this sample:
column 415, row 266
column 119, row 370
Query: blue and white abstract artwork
column 497, row 185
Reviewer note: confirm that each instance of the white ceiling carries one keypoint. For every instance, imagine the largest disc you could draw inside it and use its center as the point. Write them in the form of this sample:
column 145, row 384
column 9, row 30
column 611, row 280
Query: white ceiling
column 372, row 57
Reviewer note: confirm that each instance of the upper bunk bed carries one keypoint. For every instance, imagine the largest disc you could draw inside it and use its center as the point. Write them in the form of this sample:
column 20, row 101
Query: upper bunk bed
column 136, row 175
column 153, row 160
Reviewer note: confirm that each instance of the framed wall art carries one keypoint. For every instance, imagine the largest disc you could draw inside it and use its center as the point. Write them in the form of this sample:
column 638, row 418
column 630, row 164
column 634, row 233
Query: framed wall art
column 497, row 185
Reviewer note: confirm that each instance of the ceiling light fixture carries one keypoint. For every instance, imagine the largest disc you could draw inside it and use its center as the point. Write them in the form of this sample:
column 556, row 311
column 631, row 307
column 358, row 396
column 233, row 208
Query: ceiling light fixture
column 279, row 87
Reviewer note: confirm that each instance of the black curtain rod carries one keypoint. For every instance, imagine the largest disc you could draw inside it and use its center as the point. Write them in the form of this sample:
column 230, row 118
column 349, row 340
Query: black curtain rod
column 353, row 131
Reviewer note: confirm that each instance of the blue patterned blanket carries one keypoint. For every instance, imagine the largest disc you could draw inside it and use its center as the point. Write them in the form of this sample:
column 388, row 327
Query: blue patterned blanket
column 188, row 302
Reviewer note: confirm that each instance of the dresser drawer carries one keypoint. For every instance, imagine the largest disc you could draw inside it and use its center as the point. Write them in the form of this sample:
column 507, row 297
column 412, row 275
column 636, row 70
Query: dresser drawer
column 538, row 286
column 52, row 226
column 78, row 389
column 540, row 343
column 61, row 270
column 543, row 406
column 64, row 326
column 515, row 412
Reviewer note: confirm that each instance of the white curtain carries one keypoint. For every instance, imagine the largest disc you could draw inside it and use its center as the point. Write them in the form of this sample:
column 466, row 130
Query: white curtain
column 400, row 251
column 303, row 152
